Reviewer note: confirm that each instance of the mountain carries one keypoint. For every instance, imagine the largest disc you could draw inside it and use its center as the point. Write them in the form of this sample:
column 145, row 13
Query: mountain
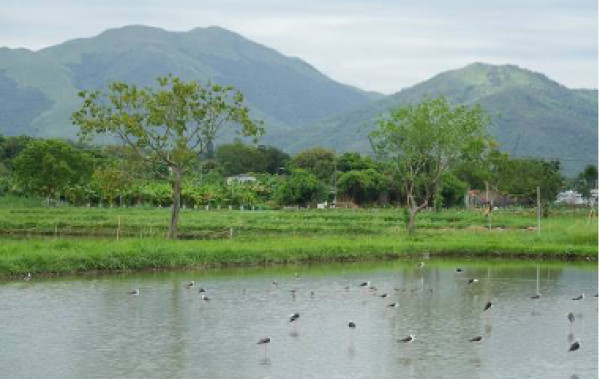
column 38, row 89
column 532, row 115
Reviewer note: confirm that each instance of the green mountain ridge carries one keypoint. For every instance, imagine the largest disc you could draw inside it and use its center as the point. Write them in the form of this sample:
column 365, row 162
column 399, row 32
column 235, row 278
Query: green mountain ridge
column 531, row 114
column 286, row 92
column 302, row 107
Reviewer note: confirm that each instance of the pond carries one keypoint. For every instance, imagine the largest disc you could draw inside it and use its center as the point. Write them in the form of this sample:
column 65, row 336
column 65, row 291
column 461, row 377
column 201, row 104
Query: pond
column 90, row 327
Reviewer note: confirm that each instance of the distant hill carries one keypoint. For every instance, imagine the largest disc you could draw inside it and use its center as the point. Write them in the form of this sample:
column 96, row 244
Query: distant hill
column 38, row 90
column 532, row 115
column 301, row 107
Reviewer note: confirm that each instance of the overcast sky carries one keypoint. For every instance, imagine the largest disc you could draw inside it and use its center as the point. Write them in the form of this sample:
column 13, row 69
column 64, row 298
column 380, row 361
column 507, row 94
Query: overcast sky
column 381, row 45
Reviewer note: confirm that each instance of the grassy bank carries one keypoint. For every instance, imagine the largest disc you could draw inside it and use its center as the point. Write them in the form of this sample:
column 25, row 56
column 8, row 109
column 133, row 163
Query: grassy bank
column 76, row 255
column 196, row 224
column 68, row 240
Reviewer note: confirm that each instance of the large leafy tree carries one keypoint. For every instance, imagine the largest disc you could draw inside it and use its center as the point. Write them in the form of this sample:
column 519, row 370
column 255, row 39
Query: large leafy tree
column 171, row 124
column 318, row 161
column 421, row 142
column 300, row 188
column 49, row 167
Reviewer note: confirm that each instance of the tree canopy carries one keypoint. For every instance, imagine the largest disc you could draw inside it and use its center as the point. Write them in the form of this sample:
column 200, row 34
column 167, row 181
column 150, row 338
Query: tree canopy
column 171, row 124
column 49, row 167
column 423, row 141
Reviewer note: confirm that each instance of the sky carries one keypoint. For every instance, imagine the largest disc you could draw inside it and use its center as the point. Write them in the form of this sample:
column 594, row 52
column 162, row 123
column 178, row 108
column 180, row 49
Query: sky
column 378, row 45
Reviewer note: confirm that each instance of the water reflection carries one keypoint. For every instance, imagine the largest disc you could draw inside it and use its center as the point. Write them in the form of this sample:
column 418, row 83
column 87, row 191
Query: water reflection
column 90, row 328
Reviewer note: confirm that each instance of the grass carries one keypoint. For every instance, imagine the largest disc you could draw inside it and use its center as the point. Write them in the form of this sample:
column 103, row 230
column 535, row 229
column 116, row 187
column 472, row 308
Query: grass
column 271, row 237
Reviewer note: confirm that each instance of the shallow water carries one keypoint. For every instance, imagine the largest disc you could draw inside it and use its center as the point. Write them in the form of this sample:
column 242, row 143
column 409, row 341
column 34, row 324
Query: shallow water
column 89, row 327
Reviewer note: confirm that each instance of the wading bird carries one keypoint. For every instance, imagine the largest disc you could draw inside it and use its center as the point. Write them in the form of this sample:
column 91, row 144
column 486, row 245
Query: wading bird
column 202, row 290
column 365, row 284
column 135, row 292
column 476, row 339
column 471, row 281
column 27, row 277
column 536, row 296
column 575, row 346
column 394, row 305
column 408, row 339
column 205, row 298
column 264, row 341
column 190, row 284
column 580, row 297
column 351, row 324
column 488, row 305
column 294, row 316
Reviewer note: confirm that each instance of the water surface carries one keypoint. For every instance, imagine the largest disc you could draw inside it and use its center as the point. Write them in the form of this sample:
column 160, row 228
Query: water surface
column 90, row 327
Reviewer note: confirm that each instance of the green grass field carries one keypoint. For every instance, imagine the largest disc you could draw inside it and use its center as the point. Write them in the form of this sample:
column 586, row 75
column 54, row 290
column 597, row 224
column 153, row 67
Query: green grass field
column 67, row 240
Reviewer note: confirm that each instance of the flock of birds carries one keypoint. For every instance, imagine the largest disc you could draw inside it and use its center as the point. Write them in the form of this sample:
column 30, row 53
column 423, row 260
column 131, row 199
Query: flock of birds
column 352, row 325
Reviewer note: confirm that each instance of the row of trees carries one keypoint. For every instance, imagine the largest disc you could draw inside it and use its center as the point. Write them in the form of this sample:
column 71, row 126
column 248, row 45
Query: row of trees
column 425, row 155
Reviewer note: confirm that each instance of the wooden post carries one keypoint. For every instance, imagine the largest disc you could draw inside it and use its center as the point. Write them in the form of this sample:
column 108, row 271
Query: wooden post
column 118, row 226
column 539, row 211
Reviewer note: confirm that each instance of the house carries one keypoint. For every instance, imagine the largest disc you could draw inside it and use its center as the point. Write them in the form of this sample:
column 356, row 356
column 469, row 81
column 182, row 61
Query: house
column 570, row 198
column 241, row 178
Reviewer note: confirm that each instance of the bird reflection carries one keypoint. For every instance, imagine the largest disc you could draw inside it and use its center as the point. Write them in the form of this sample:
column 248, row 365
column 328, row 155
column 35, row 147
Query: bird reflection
column 294, row 334
column 488, row 329
column 265, row 362
column 351, row 351
column 570, row 337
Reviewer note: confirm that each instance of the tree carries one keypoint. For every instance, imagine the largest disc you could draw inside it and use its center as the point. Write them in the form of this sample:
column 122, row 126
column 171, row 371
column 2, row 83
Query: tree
column 238, row 158
column 528, row 174
column 300, row 188
column 421, row 142
column 353, row 161
column 361, row 186
column 318, row 161
column 171, row 124
column 49, row 167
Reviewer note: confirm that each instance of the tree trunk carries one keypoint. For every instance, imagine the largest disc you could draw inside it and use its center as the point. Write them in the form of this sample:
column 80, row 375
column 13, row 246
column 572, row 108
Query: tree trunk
column 176, row 185
column 412, row 215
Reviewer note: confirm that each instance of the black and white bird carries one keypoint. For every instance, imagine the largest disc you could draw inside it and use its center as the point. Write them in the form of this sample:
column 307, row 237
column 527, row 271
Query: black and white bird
column 135, row 292
column 190, row 284
column 571, row 317
column 580, row 297
column 476, row 339
column 294, row 316
column 536, row 296
column 202, row 290
column 471, row 281
column 408, row 339
column 385, row 295
column 394, row 305
column 27, row 277
column 488, row 305
column 351, row 324
column 365, row 284
column 205, row 298
column 575, row 346
column 264, row 341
